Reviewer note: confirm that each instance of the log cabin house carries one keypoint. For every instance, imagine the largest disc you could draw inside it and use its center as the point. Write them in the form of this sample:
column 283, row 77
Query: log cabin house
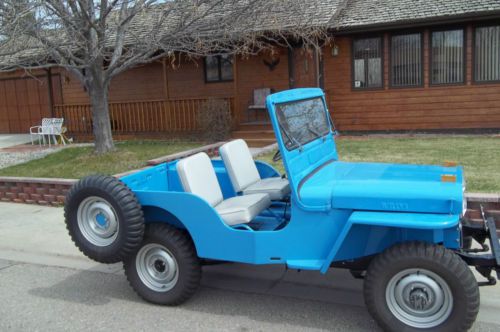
column 392, row 65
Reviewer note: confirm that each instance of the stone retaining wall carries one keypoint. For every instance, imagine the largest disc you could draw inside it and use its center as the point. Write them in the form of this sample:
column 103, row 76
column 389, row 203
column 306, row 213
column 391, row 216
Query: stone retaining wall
column 43, row 191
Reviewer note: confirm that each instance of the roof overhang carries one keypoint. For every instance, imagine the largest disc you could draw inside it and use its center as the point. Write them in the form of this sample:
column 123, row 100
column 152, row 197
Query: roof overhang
column 406, row 24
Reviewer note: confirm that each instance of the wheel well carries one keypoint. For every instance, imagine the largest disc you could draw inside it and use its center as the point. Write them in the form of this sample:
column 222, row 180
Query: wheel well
column 154, row 214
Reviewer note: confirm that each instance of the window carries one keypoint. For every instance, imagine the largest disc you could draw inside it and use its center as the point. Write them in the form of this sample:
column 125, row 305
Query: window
column 447, row 54
column 367, row 63
column 406, row 60
column 219, row 68
column 487, row 54
column 302, row 121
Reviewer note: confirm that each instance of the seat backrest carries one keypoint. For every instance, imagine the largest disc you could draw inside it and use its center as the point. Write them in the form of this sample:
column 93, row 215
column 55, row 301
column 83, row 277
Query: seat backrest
column 198, row 177
column 57, row 125
column 46, row 121
column 52, row 126
column 239, row 164
column 46, row 127
column 260, row 95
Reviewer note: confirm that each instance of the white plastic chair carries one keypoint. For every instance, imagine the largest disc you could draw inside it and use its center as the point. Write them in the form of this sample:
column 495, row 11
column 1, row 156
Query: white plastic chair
column 40, row 131
column 259, row 102
column 50, row 127
column 57, row 130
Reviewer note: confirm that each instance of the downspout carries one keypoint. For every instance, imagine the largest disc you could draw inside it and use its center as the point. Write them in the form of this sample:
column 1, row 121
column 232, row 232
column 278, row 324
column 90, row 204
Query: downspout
column 50, row 92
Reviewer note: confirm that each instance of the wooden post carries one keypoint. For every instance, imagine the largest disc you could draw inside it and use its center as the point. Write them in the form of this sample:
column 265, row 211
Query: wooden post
column 165, row 79
column 236, row 98
column 50, row 91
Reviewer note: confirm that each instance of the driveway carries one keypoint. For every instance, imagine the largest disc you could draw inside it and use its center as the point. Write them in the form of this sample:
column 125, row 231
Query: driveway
column 48, row 285
column 9, row 140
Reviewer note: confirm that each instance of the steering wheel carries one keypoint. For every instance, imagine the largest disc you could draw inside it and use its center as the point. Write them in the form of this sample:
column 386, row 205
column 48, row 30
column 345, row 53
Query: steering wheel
column 277, row 156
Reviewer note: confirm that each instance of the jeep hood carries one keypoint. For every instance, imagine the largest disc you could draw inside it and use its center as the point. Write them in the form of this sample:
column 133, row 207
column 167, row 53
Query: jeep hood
column 383, row 187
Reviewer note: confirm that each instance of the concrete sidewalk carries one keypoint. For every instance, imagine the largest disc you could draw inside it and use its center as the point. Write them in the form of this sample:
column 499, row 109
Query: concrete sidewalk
column 8, row 140
column 41, row 269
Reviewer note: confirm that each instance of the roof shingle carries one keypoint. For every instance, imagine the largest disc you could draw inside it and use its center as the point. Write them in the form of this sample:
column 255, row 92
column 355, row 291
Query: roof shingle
column 362, row 13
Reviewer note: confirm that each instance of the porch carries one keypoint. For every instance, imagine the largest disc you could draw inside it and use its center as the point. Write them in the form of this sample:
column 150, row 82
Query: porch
column 161, row 119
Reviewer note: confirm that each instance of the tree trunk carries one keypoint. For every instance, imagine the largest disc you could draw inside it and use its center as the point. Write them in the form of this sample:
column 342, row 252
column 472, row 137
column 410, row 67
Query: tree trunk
column 100, row 117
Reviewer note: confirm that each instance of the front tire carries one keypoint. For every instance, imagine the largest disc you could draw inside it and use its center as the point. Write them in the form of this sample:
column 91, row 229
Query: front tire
column 165, row 270
column 104, row 218
column 419, row 286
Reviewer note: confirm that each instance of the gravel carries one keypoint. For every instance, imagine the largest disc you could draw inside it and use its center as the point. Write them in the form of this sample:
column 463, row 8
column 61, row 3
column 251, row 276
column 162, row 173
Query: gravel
column 14, row 158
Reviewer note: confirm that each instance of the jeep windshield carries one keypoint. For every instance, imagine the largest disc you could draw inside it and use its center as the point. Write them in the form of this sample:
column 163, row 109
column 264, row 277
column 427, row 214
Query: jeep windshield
column 302, row 121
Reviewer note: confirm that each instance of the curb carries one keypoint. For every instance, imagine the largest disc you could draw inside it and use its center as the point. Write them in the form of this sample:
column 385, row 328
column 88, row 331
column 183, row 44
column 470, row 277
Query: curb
column 264, row 150
column 483, row 197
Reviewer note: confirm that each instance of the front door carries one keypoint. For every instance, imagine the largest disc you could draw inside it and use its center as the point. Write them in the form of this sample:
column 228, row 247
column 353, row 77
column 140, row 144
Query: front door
column 305, row 71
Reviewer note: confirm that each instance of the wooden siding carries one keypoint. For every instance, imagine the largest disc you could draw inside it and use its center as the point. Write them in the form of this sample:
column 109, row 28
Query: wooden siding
column 24, row 100
column 465, row 106
column 140, row 83
column 187, row 80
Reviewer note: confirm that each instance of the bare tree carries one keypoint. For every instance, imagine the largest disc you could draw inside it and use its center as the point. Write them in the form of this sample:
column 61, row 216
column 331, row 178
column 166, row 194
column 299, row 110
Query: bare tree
column 96, row 40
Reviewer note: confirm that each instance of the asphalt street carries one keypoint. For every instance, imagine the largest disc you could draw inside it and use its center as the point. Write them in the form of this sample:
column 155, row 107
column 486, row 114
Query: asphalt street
column 47, row 285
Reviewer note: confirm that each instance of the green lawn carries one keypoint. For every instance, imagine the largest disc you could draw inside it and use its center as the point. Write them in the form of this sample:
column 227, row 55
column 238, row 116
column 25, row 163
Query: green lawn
column 479, row 155
column 77, row 162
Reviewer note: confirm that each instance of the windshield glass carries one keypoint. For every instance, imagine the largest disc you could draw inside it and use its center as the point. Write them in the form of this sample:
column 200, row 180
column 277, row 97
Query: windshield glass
column 302, row 121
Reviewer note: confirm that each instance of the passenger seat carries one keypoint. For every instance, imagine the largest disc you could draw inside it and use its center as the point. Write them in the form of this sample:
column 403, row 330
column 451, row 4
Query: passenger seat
column 244, row 174
column 198, row 176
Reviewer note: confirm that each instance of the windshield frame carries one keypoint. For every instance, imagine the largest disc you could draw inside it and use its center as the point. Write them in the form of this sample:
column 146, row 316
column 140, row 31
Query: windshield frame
column 286, row 136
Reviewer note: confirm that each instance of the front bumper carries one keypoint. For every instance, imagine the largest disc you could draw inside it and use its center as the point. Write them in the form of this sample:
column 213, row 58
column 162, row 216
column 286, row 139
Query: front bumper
column 487, row 258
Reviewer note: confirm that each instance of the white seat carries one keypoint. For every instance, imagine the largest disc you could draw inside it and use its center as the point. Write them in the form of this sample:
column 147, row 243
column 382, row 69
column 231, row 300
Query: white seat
column 277, row 188
column 198, row 176
column 242, row 209
column 244, row 174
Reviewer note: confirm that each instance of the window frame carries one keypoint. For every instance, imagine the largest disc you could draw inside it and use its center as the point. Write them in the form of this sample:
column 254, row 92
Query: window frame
column 464, row 51
column 219, row 68
column 422, row 55
column 473, row 52
column 382, row 59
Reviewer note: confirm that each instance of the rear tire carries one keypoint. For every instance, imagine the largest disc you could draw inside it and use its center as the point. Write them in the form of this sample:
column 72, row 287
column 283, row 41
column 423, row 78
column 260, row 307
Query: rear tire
column 419, row 286
column 104, row 218
column 165, row 270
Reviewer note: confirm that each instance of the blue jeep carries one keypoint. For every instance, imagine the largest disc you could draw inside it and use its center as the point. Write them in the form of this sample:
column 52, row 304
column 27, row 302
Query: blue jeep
column 399, row 227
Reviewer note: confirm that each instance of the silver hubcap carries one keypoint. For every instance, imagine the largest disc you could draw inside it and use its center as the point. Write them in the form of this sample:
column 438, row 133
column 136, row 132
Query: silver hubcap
column 97, row 221
column 419, row 298
column 157, row 267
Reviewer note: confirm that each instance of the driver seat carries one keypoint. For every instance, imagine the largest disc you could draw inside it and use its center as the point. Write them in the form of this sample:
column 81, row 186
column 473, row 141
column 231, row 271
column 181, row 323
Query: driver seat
column 244, row 175
column 198, row 176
